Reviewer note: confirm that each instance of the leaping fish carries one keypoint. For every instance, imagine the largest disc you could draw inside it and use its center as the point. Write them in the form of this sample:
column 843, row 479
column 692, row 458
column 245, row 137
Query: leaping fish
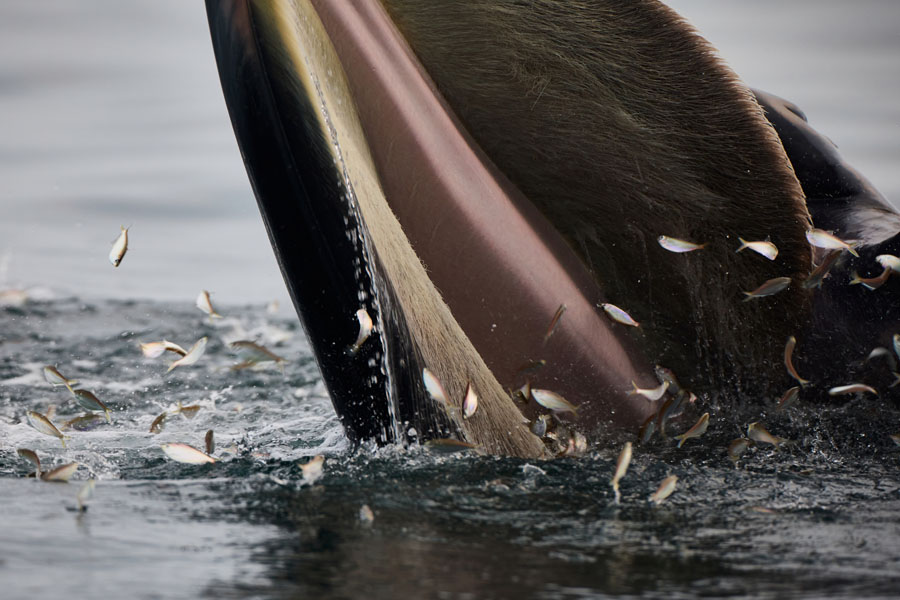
column 766, row 248
column 818, row 275
column 43, row 424
column 366, row 327
column 120, row 247
column 470, row 402
column 678, row 246
column 696, row 431
column 822, row 239
column 553, row 401
column 788, row 360
column 872, row 283
column 205, row 304
column 652, row 394
column 665, row 489
column 186, row 454
column 621, row 469
column 769, row 288
column 155, row 349
column 618, row 315
column 853, row 388
column 55, row 378
column 192, row 356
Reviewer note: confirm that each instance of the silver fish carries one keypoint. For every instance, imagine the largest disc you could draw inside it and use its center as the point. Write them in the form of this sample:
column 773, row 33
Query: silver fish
column 788, row 360
column 696, row 431
column 853, row 388
column 449, row 446
column 618, row 315
column 757, row 432
column 366, row 327
column 822, row 239
column 553, row 401
column 889, row 261
column 665, row 489
column 819, row 274
column 648, row 428
column 434, row 388
column 313, row 469
column 55, row 378
column 84, row 494
column 879, row 351
column 156, row 349
column 120, row 247
column 652, row 394
column 188, row 412
column 667, row 376
column 192, row 356
column 32, row 457
column 205, row 304
column 62, row 473
column 789, row 398
column 872, row 283
column 158, row 423
column 43, row 424
column 676, row 245
column 621, row 469
column 769, row 288
column 366, row 516
column 256, row 353
column 210, row 442
column 87, row 422
column 737, row 448
column 470, row 403
column 186, row 454
column 767, row 249
column 554, row 322
column 89, row 401
column 531, row 367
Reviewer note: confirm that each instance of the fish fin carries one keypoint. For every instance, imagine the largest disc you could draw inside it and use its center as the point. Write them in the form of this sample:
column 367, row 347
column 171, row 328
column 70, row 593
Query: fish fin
column 743, row 244
column 681, row 438
column 855, row 278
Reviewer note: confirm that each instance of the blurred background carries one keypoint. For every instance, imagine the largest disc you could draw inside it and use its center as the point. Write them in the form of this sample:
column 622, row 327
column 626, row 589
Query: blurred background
column 111, row 114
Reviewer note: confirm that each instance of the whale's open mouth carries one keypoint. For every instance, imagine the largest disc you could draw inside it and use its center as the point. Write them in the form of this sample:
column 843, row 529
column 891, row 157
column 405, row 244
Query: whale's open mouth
column 378, row 194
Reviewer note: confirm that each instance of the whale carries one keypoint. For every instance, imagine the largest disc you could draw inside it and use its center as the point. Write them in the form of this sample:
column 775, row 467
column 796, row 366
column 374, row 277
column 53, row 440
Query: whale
column 483, row 177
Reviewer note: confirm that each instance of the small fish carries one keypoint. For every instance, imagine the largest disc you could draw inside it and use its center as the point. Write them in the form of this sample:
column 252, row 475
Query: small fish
column 822, row 239
column 758, row 433
column 540, row 426
column 120, row 247
column 853, row 388
column 205, row 304
column 312, row 470
column 665, row 489
column 89, row 401
column 448, row 446
column 652, row 394
column 156, row 349
column 789, row 398
column 43, row 424
column 667, row 376
column 470, row 403
column 554, row 322
column 434, row 388
column 257, row 353
column 87, row 422
column 767, row 249
column 872, row 283
column 667, row 410
column 880, row 351
column 819, row 274
column 648, row 428
column 366, row 327
column 679, row 246
column 158, row 423
column 188, row 412
column 32, row 457
column 621, row 469
column 618, row 315
column 788, row 360
column 84, row 494
column 737, row 448
column 531, row 367
column 55, row 378
column 889, row 261
column 553, row 401
column 366, row 516
column 62, row 473
column 696, row 431
column 769, row 288
column 210, row 442
column 186, row 454
column 192, row 356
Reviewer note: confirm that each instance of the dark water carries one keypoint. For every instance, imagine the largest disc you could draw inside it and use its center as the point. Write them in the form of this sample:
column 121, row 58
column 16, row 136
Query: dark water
column 818, row 519
column 112, row 115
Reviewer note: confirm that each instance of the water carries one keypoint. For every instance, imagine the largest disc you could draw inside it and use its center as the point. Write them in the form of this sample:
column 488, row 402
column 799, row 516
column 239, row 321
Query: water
column 112, row 115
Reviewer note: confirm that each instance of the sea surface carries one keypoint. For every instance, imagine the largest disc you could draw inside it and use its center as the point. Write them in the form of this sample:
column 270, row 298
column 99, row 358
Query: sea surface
column 111, row 115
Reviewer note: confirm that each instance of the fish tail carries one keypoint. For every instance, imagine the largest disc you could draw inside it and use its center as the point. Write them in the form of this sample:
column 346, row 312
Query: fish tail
column 743, row 244
column 682, row 439
column 855, row 279
column 69, row 387
column 108, row 418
